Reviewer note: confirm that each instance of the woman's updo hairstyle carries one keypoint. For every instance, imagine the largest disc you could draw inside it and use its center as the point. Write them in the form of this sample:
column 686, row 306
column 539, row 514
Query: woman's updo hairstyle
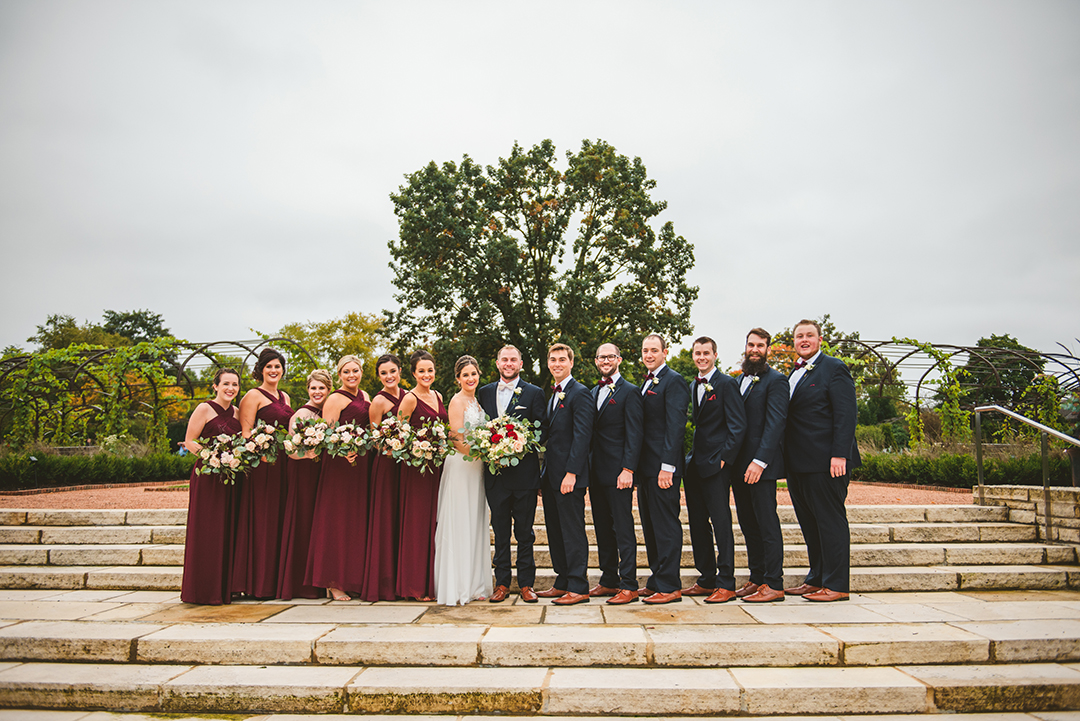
column 267, row 355
column 322, row 376
column 346, row 359
column 225, row 372
column 417, row 356
column 387, row 358
column 463, row 362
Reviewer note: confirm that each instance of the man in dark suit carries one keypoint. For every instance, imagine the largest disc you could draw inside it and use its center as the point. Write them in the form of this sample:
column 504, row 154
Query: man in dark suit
column 616, row 447
column 761, row 461
column 565, row 477
column 819, row 453
column 665, row 398
column 511, row 494
column 719, row 425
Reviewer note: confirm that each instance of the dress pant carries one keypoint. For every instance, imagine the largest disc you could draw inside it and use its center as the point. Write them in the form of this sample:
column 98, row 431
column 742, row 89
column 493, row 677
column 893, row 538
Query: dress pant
column 708, row 507
column 660, row 524
column 564, row 515
column 760, row 524
column 819, row 499
column 519, row 507
column 616, row 543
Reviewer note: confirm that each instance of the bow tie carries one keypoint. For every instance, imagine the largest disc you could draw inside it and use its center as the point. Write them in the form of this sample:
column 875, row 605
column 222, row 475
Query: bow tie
column 506, row 386
column 605, row 382
column 699, row 380
column 556, row 389
column 799, row 363
column 650, row 376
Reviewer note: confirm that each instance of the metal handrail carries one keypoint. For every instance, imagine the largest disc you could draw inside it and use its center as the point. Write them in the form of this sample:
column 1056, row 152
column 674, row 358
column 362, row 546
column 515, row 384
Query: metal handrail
column 1044, row 434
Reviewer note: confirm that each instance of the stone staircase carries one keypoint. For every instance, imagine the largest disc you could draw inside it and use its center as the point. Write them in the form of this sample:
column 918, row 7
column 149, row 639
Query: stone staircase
column 956, row 610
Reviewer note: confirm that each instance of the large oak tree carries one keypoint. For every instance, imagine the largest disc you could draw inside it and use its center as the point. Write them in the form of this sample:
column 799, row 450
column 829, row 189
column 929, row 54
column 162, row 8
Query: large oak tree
column 528, row 253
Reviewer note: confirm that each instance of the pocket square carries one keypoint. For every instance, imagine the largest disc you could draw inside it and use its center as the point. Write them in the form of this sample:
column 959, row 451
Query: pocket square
column 611, row 402
column 711, row 398
column 520, row 408
column 650, row 393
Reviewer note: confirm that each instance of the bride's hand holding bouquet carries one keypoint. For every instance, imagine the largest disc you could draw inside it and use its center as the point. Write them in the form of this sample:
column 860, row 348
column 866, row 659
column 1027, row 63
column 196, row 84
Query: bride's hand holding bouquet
column 503, row 441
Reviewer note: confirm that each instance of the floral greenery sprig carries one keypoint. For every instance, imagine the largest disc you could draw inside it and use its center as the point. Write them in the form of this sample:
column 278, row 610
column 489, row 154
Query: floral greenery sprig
column 263, row 444
column 430, row 445
column 502, row 442
column 393, row 437
column 346, row 439
column 222, row 455
column 307, row 436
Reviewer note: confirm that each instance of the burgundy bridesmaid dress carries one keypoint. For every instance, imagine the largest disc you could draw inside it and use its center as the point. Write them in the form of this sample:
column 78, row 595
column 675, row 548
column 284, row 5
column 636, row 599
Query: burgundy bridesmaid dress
column 418, row 497
column 211, row 524
column 262, row 504
column 339, row 527
column 382, row 538
column 302, row 481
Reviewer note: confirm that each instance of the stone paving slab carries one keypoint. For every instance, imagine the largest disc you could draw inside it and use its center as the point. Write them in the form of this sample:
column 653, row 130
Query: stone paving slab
column 87, row 685
column 632, row 691
column 232, row 613
column 1045, row 577
column 340, row 613
column 896, row 578
column 154, row 578
column 85, row 595
column 915, row 613
column 24, row 555
column 400, row 645
column 232, row 689
column 26, row 594
column 751, row 645
column 74, row 517
column 484, row 612
column 683, row 613
column 156, row 517
column 52, row 611
column 829, row 690
column 48, row 577
column 72, row 640
column 800, row 611
column 891, row 644
column 975, row 610
column 1030, row 640
column 564, row 645
column 129, row 612
column 115, row 554
column 448, row 690
column 95, row 534
column 1015, row 687
column 580, row 613
column 232, row 643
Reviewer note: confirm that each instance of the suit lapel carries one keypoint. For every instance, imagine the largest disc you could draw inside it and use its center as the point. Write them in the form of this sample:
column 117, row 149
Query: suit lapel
column 610, row 396
column 558, row 402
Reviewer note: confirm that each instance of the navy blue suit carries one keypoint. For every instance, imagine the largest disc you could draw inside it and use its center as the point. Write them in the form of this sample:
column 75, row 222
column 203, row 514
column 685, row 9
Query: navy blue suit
column 511, row 494
column 766, row 403
column 616, row 444
column 569, row 432
column 821, row 425
column 664, row 405
column 719, row 427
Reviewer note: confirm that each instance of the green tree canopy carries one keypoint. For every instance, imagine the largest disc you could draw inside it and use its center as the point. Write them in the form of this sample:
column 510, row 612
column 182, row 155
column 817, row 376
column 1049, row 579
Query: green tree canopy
column 61, row 330
column 1000, row 371
column 528, row 253
column 138, row 326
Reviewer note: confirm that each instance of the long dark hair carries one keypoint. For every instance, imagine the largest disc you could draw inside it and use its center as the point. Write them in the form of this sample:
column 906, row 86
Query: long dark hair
column 267, row 355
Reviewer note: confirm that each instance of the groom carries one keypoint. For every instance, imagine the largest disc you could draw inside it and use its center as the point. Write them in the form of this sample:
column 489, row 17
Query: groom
column 511, row 495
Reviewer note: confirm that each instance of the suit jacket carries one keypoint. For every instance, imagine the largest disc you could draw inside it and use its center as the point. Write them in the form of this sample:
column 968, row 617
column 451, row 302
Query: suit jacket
column 719, row 424
column 527, row 405
column 569, row 431
column 616, row 438
column 766, row 404
column 821, row 419
column 664, row 407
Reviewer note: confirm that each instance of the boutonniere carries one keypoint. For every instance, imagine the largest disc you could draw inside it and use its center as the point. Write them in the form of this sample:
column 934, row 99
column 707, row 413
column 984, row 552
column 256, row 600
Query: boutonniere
column 754, row 379
column 562, row 395
column 656, row 381
column 809, row 367
column 517, row 391
column 708, row 387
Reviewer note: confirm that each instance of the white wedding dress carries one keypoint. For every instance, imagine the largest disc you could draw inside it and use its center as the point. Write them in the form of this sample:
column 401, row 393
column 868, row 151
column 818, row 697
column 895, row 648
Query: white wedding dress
column 462, row 538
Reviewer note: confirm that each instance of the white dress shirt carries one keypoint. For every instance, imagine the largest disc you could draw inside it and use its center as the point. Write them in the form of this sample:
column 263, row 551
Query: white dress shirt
column 555, row 396
column 605, row 391
column 699, row 388
column 743, row 388
column 504, row 395
column 663, row 466
column 793, row 379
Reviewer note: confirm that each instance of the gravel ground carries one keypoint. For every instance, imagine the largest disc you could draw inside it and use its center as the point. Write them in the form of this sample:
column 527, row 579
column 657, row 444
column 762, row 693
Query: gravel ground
column 859, row 494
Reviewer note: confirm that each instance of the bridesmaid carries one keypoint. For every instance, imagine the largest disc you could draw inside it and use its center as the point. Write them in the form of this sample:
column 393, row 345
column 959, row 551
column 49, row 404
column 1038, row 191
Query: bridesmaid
column 262, row 496
column 382, row 538
column 302, row 480
column 339, row 526
column 211, row 519
column 418, row 493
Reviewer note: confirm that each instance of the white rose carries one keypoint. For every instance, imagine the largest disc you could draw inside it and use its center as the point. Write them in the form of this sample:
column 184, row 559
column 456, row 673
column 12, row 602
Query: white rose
column 204, row 453
column 214, row 463
column 223, row 437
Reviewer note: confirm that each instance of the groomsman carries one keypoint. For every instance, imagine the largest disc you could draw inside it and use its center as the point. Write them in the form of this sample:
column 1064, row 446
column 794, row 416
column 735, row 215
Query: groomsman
column 565, row 477
column 719, row 427
column 511, row 495
column 819, row 454
column 760, row 462
column 665, row 398
column 616, row 447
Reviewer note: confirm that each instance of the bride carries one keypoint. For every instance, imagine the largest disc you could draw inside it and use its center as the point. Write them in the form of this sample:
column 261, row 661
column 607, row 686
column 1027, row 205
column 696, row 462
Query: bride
column 462, row 539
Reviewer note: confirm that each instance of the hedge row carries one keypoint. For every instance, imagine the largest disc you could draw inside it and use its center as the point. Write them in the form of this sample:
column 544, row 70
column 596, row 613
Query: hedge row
column 958, row 470
column 17, row 471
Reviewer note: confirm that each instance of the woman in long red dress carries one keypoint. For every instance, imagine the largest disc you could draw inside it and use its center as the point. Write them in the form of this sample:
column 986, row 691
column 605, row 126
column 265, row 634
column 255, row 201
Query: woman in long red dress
column 211, row 519
column 302, row 481
column 262, row 496
column 418, row 494
column 339, row 526
column 382, row 540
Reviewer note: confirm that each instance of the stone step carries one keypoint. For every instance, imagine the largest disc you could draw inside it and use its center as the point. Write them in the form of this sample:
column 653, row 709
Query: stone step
column 71, row 517
column 183, row 688
column 77, row 535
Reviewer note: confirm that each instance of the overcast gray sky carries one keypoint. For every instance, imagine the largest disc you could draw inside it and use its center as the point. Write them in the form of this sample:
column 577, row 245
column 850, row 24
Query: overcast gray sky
column 912, row 168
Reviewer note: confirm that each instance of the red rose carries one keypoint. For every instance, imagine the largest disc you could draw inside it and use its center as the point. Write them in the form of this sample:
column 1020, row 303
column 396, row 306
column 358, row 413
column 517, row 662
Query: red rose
column 495, row 438
column 511, row 434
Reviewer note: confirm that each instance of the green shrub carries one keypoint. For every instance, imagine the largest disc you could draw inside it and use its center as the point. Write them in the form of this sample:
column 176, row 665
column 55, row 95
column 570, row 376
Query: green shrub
column 17, row 471
column 958, row 470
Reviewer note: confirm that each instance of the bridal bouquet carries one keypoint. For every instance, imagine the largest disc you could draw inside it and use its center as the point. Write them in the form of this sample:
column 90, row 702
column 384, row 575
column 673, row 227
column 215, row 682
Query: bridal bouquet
column 262, row 445
column 502, row 442
column 346, row 439
column 307, row 436
column 221, row 455
column 393, row 437
column 430, row 445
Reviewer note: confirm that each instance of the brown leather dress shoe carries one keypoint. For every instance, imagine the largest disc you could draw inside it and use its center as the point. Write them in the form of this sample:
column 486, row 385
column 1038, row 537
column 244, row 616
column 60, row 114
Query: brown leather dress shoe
column 747, row 588
column 599, row 590
column 528, row 595
column 569, row 599
column 645, row 592
column 764, row 594
column 498, row 595
column 697, row 590
column 663, row 597
column 720, row 595
column 802, row 590
column 825, row 596
column 623, row 596
column 550, row 593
